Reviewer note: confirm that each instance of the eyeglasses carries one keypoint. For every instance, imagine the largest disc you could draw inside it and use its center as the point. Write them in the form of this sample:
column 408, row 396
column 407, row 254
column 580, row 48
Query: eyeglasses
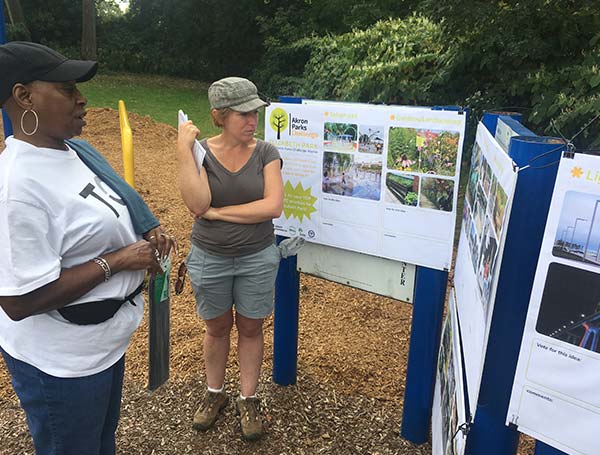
column 180, row 281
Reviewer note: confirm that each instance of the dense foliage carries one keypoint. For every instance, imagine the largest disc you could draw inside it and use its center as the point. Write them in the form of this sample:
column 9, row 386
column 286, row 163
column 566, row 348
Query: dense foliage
column 394, row 61
column 538, row 57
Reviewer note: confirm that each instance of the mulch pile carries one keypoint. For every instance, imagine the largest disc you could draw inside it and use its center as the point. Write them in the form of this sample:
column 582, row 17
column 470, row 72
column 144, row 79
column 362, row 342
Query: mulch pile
column 352, row 357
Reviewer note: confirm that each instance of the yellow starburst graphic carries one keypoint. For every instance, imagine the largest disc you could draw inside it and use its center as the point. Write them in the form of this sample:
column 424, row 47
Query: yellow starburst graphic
column 576, row 172
column 298, row 202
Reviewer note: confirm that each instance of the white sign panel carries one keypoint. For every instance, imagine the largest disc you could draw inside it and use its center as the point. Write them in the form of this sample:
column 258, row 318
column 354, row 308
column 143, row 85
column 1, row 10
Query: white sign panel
column 378, row 275
column 448, row 412
column 488, row 199
column 556, row 393
column 379, row 180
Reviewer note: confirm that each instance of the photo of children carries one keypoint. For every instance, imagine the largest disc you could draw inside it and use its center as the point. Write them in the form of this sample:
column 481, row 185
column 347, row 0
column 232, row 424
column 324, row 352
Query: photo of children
column 370, row 139
column 352, row 175
column 340, row 137
column 570, row 307
column 436, row 194
column 578, row 234
column 402, row 189
column 424, row 151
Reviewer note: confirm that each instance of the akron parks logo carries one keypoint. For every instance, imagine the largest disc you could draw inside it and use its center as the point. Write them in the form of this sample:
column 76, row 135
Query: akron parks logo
column 278, row 121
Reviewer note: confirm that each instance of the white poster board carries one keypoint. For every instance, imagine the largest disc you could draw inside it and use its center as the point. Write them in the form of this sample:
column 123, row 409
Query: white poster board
column 381, row 276
column 488, row 199
column 449, row 412
column 378, row 180
column 556, row 392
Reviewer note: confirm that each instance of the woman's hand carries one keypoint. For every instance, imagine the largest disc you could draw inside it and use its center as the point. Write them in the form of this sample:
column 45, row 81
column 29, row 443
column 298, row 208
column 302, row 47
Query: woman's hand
column 211, row 214
column 141, row 255
column 161, row 241
column 192, row 181
column 187, row 133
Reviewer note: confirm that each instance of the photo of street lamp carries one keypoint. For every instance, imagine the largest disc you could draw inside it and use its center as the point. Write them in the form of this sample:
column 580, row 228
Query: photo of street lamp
column 578, row 236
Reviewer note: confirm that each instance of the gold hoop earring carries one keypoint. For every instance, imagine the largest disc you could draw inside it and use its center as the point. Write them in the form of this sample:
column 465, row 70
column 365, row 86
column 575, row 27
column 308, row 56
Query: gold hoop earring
column 37, row 122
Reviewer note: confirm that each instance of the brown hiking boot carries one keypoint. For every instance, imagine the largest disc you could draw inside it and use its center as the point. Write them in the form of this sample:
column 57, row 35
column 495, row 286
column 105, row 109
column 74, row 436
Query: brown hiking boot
column 207, row 413
column 250, row 419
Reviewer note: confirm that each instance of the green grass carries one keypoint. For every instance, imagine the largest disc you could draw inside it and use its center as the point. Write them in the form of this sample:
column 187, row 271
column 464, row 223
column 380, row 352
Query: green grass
column 157, row 96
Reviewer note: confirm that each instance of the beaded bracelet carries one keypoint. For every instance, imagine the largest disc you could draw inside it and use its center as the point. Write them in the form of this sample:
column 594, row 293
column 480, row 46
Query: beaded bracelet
column 105, row 267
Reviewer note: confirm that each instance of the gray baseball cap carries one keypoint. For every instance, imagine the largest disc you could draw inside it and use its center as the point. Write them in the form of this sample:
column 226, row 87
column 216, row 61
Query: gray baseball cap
column 235, row 93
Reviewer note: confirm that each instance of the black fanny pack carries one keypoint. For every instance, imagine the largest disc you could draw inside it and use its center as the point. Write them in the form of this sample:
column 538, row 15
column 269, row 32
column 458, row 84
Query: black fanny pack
column 96, row 312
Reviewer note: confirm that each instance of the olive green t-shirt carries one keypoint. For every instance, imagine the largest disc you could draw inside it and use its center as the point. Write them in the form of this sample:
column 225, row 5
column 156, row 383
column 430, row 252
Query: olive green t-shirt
column 233, row 188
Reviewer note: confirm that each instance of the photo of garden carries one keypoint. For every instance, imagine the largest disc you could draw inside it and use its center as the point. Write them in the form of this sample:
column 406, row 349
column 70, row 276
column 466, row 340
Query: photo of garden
column 340, row 137
column 352, row 175
column 424, row 151
column 402, row 189
column 370, row 139
column 436, row 194
column 499, row 209
column 578, row 233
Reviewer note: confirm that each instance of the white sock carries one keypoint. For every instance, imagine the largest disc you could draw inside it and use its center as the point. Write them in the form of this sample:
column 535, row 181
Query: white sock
column 243, row 397
column 210, row 389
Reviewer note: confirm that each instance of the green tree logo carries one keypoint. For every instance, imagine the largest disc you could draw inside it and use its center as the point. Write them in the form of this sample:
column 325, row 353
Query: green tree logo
column 278, row 121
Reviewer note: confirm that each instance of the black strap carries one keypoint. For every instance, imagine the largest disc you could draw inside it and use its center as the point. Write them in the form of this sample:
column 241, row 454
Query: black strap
column 96, row 312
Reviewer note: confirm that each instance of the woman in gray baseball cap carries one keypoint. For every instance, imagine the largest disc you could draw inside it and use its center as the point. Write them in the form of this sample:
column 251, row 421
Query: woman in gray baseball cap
column 75, row 242
column 233, row 260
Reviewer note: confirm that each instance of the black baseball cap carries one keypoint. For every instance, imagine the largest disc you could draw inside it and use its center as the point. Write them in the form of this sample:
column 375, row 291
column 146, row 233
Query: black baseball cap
column 24, row 62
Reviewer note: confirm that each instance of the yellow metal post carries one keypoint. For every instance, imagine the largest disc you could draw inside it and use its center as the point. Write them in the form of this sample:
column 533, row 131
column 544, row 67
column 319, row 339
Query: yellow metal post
column 126, row 145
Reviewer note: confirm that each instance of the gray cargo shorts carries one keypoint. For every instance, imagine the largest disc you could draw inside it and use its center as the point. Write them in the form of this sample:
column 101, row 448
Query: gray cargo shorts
column 220, row 282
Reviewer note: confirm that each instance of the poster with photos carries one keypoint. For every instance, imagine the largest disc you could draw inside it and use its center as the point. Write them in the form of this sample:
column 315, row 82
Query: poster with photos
column 379, row 180
column 449, row 411
column 488, row 196
column 555, row 396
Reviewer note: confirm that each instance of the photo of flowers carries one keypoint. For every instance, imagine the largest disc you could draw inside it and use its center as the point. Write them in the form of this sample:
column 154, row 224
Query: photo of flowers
column 423, row 151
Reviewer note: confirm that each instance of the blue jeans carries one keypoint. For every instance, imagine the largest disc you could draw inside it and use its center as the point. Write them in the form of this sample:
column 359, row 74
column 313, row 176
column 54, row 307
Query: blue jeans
column 69, row 415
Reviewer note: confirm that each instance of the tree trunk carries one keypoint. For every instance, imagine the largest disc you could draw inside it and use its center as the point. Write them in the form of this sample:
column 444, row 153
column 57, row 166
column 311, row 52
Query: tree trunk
column 16, row 16
column 88, row 30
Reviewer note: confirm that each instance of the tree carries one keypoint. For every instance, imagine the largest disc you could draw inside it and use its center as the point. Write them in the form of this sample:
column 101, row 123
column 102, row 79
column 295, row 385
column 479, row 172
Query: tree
column 88, row 30
column 17, row 18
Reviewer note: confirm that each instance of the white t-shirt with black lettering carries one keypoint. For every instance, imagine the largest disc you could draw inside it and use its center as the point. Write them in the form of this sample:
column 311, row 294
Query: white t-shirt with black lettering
column 56, row 213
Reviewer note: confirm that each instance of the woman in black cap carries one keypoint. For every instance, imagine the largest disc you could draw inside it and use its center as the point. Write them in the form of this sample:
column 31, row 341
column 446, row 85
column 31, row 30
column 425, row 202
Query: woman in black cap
column 233, row 260
column 75, row 242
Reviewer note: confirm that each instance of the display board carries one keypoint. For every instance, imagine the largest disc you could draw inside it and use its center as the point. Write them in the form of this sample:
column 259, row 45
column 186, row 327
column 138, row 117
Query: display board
column 378, row 180
column 507, row 128
column 488, row 199
column 381, row 276
column 449, row 412
column 556, row 394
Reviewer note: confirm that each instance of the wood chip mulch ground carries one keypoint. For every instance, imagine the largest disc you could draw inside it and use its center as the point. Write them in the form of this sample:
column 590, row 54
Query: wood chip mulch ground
column 353, row 349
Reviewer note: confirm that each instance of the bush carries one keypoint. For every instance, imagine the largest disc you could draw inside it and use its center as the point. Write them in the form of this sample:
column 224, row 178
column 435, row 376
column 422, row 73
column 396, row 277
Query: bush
column 17, row 32
column 394, row 61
